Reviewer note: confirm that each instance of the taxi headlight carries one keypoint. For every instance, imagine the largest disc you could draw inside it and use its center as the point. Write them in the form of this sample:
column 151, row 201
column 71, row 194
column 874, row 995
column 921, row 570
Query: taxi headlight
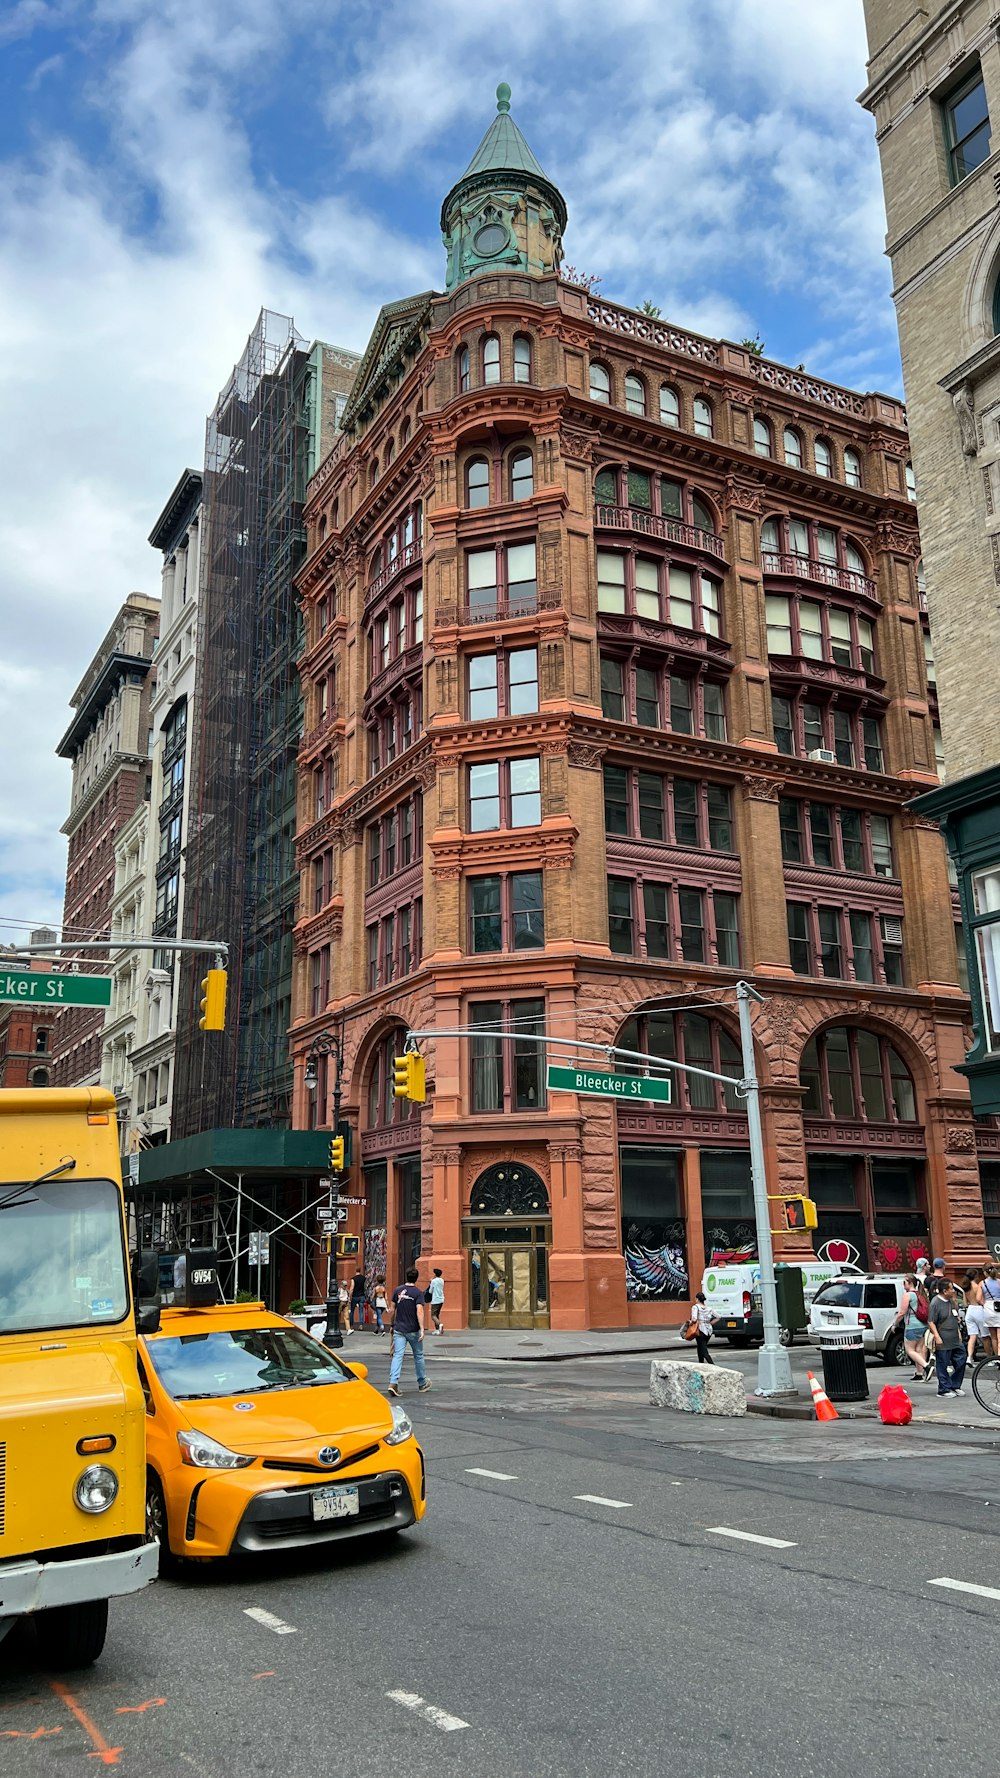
column 202, row 1452
column 96, row 1489
column 402, row 1426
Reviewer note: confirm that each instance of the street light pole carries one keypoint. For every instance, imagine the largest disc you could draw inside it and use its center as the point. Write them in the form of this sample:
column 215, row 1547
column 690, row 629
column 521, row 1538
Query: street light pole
column 774, row 1369
column 329, row 1043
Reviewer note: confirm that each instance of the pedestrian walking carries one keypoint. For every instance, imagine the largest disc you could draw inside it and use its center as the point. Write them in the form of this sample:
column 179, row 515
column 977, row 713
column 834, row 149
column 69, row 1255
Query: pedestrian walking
column 914, row 1326
column 975, row 1314
column 705, row 1317
column 344, row 1304
column 991, row 1307
column 435, row 1296
column 949, row 1356
column 358, row 1299
column 407, row 1330
column 935, row 1279
column 381, row 1306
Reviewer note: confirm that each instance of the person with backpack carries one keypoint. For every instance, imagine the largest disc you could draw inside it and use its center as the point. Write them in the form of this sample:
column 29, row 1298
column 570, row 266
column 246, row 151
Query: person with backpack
column 913, row 1315
column 949, row 1356
column 991, row 1308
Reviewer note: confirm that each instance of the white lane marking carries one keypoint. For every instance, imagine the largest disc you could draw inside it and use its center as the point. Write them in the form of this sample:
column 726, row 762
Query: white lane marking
column 495, row 1475
column 966, row 1586
column 269, row 1621
column 430, row 1712
column 773, row 1543
column 600, row 1500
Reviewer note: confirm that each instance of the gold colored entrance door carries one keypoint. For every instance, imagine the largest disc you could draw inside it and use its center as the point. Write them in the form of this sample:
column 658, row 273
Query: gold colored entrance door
column 508, row 1284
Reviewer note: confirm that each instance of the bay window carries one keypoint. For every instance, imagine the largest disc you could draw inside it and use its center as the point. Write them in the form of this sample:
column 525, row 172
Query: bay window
column 501, row 580
column 803, row 726
column 835, row 839
column 818, row 631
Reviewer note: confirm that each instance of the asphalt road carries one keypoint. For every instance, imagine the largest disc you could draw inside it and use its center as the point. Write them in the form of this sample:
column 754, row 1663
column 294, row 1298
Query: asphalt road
column 585, row 1609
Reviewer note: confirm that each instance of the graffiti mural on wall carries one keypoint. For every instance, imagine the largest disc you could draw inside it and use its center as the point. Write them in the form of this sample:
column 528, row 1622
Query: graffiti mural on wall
column 655, row 1262
column 731, row 1244
column 375, row 1250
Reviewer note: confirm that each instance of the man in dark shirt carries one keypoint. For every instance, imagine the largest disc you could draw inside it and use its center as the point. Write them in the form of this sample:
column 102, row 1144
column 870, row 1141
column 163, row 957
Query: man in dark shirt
column 407, row 1330
column 949, row 1348
column 358, row 1298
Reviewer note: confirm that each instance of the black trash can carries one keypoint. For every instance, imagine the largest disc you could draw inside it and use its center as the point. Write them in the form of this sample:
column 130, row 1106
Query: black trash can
column 844, row 1375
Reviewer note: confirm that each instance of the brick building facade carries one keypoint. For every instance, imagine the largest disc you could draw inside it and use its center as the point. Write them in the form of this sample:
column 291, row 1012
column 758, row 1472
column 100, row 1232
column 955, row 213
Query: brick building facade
column 26, row 1033
column 615, row 692
column 108, row 744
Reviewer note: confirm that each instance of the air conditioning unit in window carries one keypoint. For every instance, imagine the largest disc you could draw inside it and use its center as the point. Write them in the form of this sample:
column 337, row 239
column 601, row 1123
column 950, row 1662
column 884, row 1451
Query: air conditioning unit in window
column 825, row 755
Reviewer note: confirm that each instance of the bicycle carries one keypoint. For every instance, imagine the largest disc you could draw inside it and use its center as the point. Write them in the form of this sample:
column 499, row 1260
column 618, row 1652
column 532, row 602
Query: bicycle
column 986, row 1384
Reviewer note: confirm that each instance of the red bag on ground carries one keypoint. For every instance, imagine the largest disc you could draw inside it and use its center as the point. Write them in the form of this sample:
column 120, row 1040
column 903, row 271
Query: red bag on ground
column 894, row 1406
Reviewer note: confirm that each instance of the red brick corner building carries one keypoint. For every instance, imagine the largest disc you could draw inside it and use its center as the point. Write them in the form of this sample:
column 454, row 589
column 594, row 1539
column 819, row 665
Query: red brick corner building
column 614, row 692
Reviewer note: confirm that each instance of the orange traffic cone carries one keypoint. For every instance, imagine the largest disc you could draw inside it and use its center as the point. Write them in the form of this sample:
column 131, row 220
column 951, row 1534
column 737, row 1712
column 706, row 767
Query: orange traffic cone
column 822, row 1405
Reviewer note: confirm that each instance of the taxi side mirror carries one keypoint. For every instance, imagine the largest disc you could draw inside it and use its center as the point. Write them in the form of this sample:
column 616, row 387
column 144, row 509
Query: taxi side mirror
column 147, row 1318
column 360, row 1371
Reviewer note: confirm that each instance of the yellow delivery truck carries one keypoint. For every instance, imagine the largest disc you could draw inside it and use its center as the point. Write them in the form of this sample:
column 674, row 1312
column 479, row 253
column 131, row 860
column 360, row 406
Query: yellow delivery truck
column 72, row 1413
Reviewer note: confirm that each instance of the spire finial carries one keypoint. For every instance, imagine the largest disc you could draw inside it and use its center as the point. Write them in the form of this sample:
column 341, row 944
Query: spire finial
column 503, row 97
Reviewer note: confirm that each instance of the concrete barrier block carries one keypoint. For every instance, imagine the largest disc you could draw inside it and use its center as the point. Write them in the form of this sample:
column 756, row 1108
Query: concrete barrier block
column 697, row 1388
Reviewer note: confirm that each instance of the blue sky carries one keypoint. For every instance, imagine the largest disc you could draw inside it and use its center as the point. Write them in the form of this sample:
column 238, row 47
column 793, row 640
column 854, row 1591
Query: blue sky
column 167, row 169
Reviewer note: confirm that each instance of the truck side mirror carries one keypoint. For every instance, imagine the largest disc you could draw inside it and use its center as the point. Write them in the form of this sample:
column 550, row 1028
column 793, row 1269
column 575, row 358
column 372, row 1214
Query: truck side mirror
column 147, row 1318
column 146, row 1276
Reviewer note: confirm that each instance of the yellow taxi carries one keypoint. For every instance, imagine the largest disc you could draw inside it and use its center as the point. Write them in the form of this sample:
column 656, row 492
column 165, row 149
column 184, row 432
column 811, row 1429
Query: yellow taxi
column 258, row 1438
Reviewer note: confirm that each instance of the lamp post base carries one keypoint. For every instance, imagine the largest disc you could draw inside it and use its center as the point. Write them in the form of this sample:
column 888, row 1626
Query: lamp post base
column 333, row 1336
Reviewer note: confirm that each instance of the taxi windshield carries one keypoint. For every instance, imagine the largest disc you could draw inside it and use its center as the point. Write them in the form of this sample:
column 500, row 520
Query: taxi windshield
column 242, row 1361
column 62, row 1255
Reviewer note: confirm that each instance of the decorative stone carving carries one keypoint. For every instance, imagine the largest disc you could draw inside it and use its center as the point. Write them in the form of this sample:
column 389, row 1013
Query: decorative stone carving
column 585, row 756
column 743, row 497
column 761, row 790
column 910, row 818
column 448, row 1157
column 426, row 774
column 960, row 1139
column 965, row 413
column 899, row 542
column 576, row 444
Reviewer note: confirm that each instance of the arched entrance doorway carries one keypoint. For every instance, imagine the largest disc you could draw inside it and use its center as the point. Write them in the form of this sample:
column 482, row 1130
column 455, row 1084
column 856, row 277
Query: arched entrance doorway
column 508, row 1233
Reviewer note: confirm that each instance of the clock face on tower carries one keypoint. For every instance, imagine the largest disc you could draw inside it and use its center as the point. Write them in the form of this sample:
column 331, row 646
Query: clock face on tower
column 490, row 239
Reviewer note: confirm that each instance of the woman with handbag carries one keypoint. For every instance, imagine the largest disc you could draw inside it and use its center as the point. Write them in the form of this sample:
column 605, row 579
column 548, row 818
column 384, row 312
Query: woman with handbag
column 702, row 1318
column 914, row 1326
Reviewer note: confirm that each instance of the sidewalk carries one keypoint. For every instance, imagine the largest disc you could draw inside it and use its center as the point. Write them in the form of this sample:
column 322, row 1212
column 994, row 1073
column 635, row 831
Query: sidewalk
column 550, row 1346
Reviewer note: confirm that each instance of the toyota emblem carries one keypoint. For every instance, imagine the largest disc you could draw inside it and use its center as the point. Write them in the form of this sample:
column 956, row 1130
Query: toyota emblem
column 329, row 1455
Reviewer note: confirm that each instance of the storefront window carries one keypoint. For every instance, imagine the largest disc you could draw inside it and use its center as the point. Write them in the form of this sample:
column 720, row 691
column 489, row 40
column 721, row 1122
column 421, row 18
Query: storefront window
column 654, row 1239
column 727, row 1206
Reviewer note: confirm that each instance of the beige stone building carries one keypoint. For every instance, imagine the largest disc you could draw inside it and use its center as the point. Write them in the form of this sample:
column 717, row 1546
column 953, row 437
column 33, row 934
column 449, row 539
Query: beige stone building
column 934, row 91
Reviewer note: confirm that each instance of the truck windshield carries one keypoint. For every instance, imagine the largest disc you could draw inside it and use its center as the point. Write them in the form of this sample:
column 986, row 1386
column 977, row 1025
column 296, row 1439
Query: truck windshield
column 242, row 1361
column 62, row 1256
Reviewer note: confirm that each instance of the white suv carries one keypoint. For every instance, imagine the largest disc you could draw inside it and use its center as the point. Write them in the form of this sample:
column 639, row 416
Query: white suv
column 870, row 1304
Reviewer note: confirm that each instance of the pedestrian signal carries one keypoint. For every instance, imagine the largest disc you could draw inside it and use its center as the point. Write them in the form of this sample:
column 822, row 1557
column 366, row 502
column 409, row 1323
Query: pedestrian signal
column 798, row 1214
column 337, row 1154
column 348, row 1246
column 213, row 1001
column 408, row 1076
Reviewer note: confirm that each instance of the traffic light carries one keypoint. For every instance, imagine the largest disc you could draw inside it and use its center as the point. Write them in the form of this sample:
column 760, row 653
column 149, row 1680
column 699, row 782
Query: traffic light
column 408, row 1076
column 799, row 1214
column 348, row 1246
column 336, row 1154
column 213, row 1001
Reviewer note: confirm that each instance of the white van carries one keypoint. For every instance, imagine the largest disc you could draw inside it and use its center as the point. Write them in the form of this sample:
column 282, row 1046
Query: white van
column 733, row 1294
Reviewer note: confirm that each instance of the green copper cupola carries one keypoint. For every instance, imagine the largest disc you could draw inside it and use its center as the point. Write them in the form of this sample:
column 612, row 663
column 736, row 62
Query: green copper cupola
column 503, row 214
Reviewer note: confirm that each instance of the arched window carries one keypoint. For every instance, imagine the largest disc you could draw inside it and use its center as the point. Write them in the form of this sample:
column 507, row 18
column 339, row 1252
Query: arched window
column 635, row 394
column 852, row 468
column 39, row 1077
column 322, row 526
column 687, row 1037
column 703, row 423
column 477, row 482
column 793, row 447
column 761, row 438
column 606, row 486
column 670, row 405
column 491, row 359
column 404, row 432
column 522, row 475
column 374, row 473
column 390, row 452
column 911, row 483
column 522, row 358
column 853, row 1073
column 824, row 457
column 383, row 1106
column 701, row 516
column 463, row 371
column 600, row 383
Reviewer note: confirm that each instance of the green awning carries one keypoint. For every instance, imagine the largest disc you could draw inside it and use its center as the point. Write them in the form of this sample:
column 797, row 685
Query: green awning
column 288, row 1153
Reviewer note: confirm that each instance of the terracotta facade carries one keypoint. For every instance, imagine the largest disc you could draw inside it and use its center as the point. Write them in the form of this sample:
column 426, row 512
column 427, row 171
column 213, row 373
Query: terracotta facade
column 572, row 794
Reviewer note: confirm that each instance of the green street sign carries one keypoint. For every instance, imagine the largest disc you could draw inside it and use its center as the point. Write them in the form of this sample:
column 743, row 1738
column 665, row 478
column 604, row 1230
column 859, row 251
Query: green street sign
column 36, row 989
column 608, row 1086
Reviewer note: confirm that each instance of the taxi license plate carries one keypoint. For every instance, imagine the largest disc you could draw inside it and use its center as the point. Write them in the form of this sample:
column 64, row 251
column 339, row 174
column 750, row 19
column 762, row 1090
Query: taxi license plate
column 335, row 1503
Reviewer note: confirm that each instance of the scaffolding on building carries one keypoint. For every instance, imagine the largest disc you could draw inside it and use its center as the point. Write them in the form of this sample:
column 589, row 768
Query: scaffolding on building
column 241, row 882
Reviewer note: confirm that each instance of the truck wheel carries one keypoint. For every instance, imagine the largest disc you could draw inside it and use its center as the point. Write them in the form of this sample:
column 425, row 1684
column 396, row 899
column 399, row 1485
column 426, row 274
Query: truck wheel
column 72, row 1635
